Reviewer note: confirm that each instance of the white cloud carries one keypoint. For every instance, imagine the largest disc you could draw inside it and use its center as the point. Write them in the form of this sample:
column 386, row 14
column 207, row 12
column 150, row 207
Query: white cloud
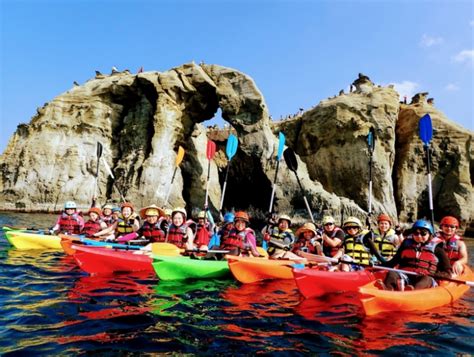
column 429, row 41
column 451, row 87
column 465, row 56
column 406, row 88
column 472, row 23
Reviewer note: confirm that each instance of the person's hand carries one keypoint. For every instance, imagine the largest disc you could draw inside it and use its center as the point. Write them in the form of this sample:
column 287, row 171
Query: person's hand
column 457, row 268
column 398, row 230
column 266, row 237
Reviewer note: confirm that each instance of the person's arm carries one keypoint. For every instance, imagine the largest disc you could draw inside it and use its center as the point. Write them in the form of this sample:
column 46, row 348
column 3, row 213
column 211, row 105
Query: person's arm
column 458, row 265
column 190, row 241
column 81, row 222
column 252, row 241
column 368, row 242
column 332, row 242
column 396, row 259
column 106, row 231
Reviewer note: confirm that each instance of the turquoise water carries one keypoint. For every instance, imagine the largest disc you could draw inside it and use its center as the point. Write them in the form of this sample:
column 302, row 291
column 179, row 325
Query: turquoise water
column 50, row 307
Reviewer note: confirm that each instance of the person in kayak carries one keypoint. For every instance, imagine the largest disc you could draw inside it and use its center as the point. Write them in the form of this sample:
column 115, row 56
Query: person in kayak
column 453, row 245
column 165, row 220
column 204, row 230
column 179, row 233
column 150, row 230
column 69, row 221
column 127, row 223
column 94, row 224
column 279, row 238
column 386, row 239
column 421, row 252
column 306, row 240
column 240, row 240
column 332, row 236
column 107, row 216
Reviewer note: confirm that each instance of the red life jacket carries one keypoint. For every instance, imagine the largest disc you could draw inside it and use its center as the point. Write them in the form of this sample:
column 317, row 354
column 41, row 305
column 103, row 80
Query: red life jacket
column 451, row 246
column 303, row 244
column 203, row 235
column 328, row 250
column 178, row 235
column 91, row 227
column 419, row 258
column 152, row 232
column 235, row 239
column 108, row 220
column 70, row 224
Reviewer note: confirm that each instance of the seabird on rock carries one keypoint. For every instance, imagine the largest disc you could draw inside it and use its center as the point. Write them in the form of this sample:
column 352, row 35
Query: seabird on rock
column 97, row 73
column 76, row 84
column 114, row 70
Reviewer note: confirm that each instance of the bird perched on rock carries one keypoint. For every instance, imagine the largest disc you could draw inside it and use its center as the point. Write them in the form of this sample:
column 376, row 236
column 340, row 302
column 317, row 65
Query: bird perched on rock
column 114, row 70
column 126, row 71
column 341, row 92
column 99, row 75
column 76, row 84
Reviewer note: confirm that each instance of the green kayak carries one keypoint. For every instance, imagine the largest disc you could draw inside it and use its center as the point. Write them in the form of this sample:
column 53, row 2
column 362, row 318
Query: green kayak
column 180, row 268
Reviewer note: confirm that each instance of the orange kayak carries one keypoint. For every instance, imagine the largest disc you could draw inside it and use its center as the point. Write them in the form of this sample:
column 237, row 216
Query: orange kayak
column 250, row 270
column 375, row 300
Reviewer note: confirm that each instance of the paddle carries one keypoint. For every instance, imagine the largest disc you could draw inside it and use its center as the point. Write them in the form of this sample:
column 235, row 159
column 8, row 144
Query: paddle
column 281, row 145
column 230, row 151
column 109, row 171
column 292, row 164
column 169, row 249
column 179, row 159
column 426, row 134
column 371, row 146
column 99, row 154
column 210, row 151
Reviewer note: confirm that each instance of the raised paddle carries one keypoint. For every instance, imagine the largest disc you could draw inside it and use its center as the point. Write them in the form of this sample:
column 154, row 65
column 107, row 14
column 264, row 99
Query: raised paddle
column 109, row 171
column 99, row 154
column 371, row 146
column 210, row 152
column 230, row 150
column 281, row 145
column 179, row 159
column 426, row 134
column 292, row 163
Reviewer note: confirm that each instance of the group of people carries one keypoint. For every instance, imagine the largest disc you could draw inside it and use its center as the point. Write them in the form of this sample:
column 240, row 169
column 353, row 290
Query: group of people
column 420, row 249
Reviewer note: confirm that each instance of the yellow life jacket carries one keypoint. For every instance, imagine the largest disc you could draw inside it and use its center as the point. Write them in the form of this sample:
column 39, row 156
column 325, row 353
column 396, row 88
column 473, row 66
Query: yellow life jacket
column 355, row 248
column 385, row 244
column 125, row 225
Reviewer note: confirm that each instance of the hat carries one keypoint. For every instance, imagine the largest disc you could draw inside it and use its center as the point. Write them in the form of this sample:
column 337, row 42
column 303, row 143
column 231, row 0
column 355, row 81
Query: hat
column 384, row 217
column 305, row 228
column 152, row 210
column 328, row 219
column 95, row 210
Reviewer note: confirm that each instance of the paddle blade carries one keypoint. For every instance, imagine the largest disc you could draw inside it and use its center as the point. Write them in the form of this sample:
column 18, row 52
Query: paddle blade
column 231, row 148
column 180, row 156
column 371, row 139
column 426, row 129
column 99, row 149
column 166, row 249
column 211, row 149
column 281, row 145
column 290, row 159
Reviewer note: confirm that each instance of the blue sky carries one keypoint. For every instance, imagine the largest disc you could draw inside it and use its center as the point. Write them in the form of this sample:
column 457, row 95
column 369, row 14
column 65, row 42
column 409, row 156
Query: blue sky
column 298, row 52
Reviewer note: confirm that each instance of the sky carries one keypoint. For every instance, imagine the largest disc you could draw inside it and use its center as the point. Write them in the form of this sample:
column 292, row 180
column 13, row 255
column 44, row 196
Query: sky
column 298, row 52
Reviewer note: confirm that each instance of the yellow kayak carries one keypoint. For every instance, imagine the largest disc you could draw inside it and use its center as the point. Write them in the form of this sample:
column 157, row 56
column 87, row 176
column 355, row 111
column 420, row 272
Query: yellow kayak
column 28, row 240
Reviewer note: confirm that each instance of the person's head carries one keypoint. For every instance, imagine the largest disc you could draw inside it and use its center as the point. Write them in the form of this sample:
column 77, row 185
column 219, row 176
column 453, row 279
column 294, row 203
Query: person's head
column 127, row 209
column 307, row 231
column 115, row 212
column 107, row 210
column 151, row 213
column 449, row 226
column 352, row 226
column 178, row 216
column 168, row 212
column 70, row 207
column 241, row 220
column 422, row 231
column 202, row 217
column 329, row 223
column 384, row 222
column 284, row 222
column 94, row 213
column 229, row 219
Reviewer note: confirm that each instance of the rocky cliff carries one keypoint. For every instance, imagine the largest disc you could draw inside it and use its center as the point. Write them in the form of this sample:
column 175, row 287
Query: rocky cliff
column 142, row 119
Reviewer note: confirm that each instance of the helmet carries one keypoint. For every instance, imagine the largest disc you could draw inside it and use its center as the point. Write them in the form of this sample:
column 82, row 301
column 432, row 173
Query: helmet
column 328, row 219
column 108, row 206
column 115, row 209
column 305, row 228
column 423, row 224
column 384, row 217
column 242, row 215
column 284, row 217
column 450, row 220
column 229, row 217
column 95, row 210
column 127, row 204
column 352, row 222
column 202, row 214
column 168, row 211
column 179, row 209
column 70, row 204
column 152, row 210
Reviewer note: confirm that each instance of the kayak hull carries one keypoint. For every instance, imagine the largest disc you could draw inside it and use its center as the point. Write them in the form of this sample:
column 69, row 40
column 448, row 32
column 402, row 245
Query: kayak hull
column 101, row 260
column 25, row 240
column 314, row 282
column 250, row 270
column 181, row 268
column 375, row 301
column 68, row 241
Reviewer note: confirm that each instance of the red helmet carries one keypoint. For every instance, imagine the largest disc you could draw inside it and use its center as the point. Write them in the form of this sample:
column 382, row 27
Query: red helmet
column 384, row 217
column 450, row 220
column 126, row 204
column 242, row 215
column 95, row 210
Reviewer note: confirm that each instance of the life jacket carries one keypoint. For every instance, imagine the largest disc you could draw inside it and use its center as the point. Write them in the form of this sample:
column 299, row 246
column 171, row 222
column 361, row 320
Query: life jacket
column 91, row 227
column 108, row 220
column 328, row 250
column 285, row 238
column 355, row 248
column 384, row 243
column 178, row 235
column 418, row 257
column 235, row 239
column 152, row 232
column 305, row 245
column 451, row 247
column 203, row 234
column 70, row 224
column 125, row 226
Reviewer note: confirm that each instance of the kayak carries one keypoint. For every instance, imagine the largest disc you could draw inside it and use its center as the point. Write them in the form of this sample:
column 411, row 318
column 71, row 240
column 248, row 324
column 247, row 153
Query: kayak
column 180, row 268
column 102, row 260
column 26, row 240
column 314, row 282
column 68, row 241
column 250, row 270
column 375, row 301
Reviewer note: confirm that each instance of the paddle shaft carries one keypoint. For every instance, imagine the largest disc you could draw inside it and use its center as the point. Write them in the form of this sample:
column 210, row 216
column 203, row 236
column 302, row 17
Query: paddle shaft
column 168, row 192
column 223, row 189
column 304, row 198
column 99, row 154
column 206, row 201
column 369, row 214
column 270, row 209
column 430, row 191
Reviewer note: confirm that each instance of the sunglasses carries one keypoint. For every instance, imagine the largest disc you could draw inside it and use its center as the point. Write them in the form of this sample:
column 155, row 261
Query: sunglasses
column 352, row 227
column 449, row 226
column 421, row 233
column 329, row 224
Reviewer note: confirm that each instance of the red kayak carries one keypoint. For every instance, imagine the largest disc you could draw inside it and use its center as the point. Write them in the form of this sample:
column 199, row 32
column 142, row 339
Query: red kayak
column 314, row 282
column 98, row 260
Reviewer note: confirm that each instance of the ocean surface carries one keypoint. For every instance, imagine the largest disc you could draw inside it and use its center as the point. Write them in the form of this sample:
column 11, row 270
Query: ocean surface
column 50, row 307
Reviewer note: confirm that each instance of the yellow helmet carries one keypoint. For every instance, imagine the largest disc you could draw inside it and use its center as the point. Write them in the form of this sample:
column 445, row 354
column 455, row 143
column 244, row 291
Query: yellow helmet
column 286, row 218
column 352, row 222
column 202, row 214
